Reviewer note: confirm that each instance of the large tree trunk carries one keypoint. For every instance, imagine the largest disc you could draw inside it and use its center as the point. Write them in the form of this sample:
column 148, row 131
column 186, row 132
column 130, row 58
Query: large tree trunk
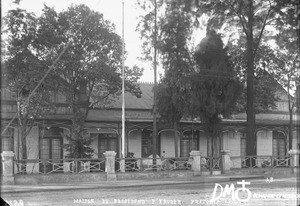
column 23, row 143
column 210, row 149
column 216, row 146
column 209, row 146
column 291, row 129
column 23, row 148
column 291, row 106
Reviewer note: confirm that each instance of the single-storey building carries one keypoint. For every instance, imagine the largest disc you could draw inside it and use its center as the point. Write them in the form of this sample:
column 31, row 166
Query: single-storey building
column 45, row 140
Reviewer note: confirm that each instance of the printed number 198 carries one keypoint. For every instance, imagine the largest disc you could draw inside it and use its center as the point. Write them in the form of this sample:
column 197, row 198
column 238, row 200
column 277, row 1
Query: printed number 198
column 16, row 203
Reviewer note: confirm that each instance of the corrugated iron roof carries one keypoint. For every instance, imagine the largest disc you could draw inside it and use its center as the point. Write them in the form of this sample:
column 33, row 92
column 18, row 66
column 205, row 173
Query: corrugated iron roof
column 132, row 102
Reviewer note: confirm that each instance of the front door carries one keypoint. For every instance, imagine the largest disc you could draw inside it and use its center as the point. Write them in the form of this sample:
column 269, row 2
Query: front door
column 51, row 147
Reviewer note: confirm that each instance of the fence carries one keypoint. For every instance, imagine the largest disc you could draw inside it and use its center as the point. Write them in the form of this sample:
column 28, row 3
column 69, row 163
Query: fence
column 261, row 161
column 211, row 163
column 48, row 166
column 112, row 165
column 151, row 164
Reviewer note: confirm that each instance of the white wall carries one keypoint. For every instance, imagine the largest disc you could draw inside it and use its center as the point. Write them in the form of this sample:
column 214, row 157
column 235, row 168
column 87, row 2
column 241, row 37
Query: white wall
column 232, row 142
column 135, row 143
column 203, row 144
column 225, row 141
column 295, row 140
column 264, row 142
column 167, row 142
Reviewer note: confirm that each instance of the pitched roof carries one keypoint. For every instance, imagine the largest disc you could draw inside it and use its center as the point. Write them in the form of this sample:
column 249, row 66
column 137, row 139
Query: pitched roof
column 132, row 102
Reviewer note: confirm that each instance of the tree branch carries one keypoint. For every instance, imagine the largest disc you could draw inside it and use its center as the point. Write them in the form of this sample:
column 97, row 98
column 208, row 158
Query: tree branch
column 262, row 30
column 104, row 97
column 242, row 19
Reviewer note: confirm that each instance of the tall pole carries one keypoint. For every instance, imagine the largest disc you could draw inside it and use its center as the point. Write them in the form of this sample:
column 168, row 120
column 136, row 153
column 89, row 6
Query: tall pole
column 123, row 87
column 154, row 91
column 251, row 137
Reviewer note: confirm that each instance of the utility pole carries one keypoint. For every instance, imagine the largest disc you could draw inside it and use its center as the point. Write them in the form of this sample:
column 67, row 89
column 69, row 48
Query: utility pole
column 154, row 92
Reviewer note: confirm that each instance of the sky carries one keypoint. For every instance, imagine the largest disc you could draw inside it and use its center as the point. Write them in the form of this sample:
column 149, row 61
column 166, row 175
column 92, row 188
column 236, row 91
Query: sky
column 111, row 10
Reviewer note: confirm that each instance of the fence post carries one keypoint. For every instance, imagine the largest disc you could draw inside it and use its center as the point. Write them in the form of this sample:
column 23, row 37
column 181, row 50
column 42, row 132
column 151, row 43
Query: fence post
column 226, row 163
column 7, row 167
column 196, row 162
column 294, row 160
column 110, row 159
column 122, row 165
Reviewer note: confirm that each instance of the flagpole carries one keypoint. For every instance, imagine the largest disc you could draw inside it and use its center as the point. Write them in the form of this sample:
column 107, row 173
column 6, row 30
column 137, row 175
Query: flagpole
column 123, row 87
column 154, row 135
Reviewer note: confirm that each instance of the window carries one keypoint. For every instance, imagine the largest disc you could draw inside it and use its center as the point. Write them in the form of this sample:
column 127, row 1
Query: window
column 279, row 143
column 107, row 142
column 189, row 142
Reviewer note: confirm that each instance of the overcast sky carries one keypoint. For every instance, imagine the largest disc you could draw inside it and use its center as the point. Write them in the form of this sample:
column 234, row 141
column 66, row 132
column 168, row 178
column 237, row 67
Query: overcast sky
column 112, row 10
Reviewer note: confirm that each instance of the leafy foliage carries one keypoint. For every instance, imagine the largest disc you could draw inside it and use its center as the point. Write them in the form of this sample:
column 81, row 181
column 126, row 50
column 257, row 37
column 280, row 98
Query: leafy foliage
column 23, row 70
column 88, row 73
column 250, row 20
column 173, row 91
column 215, row 86
column 94, row 55
column 91, row 67
column 80, row 147
column 265, row 87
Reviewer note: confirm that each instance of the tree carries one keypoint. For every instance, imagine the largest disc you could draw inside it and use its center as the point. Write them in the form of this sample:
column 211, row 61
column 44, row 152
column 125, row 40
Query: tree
column 173, row 92
column 215, row 87
column 288, row 75
column 88, row 72
column 287, row 56
column 173, row 38
column 23, row 70
column 265, row 88
column 251, row 19
column 91, row 67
